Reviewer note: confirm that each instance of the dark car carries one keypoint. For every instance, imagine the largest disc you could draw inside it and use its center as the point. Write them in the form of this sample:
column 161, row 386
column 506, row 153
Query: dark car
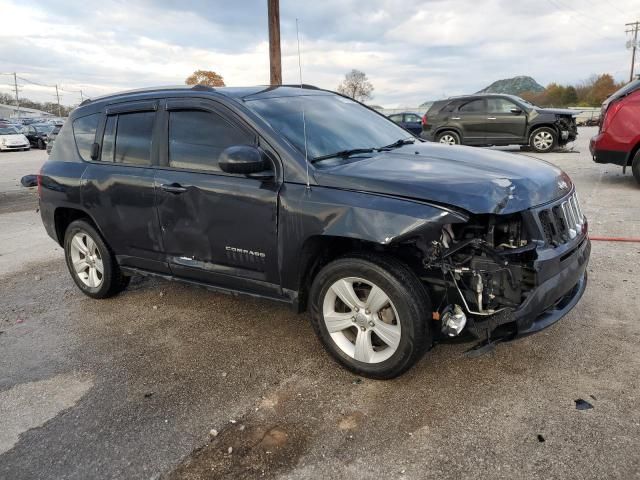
column 488, row 119
column 37, row 134
column 618, row 140
column 388, row 241
column 51, row 137
column 408, row 120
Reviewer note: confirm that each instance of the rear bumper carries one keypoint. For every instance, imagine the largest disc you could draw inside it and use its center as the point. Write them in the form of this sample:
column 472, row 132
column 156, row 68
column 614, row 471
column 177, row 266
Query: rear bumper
column 602, row 153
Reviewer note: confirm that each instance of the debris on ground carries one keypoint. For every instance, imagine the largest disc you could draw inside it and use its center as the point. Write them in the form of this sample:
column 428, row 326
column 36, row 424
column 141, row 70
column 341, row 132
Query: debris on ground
column 148, row 394
column 541, row 438
column 230, row 450
column 582, row 404
column 213, row 432
column 357, row 381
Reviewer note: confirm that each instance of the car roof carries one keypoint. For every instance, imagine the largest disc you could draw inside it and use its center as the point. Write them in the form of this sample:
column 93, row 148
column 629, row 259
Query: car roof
column 238, row 93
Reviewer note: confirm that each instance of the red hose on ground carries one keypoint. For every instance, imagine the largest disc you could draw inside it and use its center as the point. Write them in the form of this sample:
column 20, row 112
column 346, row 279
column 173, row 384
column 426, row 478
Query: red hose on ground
column 615, row 239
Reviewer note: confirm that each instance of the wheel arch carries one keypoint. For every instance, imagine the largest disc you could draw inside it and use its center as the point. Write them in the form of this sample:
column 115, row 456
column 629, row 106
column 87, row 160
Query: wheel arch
column 456, row 130
column 63, row 216
column 533, row 128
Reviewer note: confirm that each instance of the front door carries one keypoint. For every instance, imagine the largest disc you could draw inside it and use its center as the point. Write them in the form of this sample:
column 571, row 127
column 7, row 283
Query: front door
column 413, row 123
column 507, row 121
column 217, row 227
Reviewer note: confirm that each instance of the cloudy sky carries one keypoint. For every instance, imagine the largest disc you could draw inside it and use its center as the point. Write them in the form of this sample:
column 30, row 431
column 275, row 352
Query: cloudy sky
column 411, row 50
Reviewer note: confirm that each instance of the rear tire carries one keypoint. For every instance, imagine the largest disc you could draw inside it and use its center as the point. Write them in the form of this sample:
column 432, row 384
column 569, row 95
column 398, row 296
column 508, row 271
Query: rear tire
column 387, row 327
column 543, row 140
column 91, row 263
column 448, row 137
column 635, row 166
column 41, row 144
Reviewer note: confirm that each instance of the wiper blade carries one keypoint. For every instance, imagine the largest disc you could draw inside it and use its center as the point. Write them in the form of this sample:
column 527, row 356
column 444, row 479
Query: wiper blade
column 399, row 143
column 343, row 154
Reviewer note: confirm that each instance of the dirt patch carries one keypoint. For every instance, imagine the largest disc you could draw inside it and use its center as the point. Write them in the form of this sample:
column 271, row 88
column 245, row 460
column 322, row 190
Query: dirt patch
column 242, row 451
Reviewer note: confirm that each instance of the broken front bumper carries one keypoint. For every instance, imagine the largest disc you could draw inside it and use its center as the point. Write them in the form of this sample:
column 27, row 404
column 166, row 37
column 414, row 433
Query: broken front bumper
column 565, row 280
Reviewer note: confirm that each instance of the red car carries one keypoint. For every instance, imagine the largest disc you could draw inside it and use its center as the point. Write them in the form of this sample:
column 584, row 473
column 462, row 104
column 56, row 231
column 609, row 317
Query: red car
column 618, row 140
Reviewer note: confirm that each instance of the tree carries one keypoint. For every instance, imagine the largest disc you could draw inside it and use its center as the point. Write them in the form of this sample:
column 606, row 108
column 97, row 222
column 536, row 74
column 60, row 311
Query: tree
column 356, row 85
column 205, row 77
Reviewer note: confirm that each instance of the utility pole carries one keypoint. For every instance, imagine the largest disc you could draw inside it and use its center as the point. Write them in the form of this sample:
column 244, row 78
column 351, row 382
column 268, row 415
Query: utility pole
column 58, row 97
column 275, row 64
column 15, row 83
column 633, row 29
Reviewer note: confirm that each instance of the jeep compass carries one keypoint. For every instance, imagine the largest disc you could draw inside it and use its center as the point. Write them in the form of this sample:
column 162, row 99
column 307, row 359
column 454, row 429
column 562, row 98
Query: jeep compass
column 306, row 197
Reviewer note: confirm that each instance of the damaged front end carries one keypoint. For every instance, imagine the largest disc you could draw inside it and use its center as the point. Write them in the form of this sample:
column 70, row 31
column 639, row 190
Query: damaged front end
column 502, row 276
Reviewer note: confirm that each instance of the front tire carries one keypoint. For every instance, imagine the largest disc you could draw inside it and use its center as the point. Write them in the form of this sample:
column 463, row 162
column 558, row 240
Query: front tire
column 543, row 140
column 41, row 144
column 91, row 263
column 371, row 314
column 448, row 137
column 635, row 166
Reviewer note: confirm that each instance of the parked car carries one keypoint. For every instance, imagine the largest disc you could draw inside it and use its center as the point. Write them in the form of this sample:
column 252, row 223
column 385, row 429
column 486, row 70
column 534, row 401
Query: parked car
column 11, row 139
column 388, row 241
column 618, row 140
column 408, row 120
column 37, row 134
column 51, row 137
column 490, row 119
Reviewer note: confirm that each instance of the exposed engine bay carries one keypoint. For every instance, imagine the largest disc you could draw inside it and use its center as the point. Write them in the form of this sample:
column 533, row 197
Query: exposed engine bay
column 480, row 269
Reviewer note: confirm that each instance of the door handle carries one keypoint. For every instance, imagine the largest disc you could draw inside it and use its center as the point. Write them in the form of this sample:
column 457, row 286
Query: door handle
column 491, row 118
column 173, row 188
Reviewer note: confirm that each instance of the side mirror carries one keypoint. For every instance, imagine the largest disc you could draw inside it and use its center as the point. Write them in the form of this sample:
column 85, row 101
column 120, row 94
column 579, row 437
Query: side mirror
column 95, row 149
column 243, row 159
column 516, row 111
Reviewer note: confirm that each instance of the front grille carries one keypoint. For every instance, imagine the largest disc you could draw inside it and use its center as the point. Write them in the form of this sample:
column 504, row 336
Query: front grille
column 563, row 221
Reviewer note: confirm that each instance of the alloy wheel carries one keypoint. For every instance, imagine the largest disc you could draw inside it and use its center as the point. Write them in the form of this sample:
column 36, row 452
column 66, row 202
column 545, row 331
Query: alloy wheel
column 448, row 139
column 86, row 260
column 361, row 320
column 543, row 140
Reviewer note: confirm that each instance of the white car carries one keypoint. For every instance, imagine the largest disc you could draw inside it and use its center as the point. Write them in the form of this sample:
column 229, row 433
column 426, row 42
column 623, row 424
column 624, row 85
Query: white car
column 10, row 139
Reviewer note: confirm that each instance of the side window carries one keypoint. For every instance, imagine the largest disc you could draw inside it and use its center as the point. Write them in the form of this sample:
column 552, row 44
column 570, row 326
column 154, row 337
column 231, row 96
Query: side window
column 412, row 117
column 395, row 118
column 197, row 138
column 109, row 139
column 84, row 132
column 134, row 132
column 500, row 105
column 474, row 106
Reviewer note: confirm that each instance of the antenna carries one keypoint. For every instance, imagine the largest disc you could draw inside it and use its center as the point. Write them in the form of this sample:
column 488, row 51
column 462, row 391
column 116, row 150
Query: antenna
column 304, row 123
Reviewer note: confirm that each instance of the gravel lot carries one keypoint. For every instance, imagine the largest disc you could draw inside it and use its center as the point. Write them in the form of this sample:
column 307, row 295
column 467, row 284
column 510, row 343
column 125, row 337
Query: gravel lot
column 130, row 387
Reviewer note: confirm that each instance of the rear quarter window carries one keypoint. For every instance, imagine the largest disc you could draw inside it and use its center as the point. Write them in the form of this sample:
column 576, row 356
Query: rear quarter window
column 84, row 133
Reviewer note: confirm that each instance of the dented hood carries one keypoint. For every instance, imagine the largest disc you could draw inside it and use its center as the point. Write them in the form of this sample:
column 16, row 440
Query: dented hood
column 473, row 179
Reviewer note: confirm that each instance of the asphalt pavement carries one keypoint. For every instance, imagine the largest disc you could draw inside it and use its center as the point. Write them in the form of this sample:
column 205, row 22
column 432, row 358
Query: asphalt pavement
column 170, row 381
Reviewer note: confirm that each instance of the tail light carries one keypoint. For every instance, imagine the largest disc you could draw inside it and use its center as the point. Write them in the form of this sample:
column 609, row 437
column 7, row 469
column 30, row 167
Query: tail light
column 608, row 114
column 424, row 119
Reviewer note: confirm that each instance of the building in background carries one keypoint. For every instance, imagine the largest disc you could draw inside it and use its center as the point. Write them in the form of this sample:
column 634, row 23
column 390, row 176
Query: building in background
column 11, row 111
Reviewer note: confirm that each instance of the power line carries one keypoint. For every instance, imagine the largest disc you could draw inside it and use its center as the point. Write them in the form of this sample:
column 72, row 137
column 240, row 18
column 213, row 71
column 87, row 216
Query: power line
column 634, row 26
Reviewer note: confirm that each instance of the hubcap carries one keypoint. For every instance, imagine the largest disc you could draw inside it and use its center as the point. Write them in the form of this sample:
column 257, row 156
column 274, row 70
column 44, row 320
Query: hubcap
column 543, row 140
column 361, row 320
column 448, row 139
column 86, row 260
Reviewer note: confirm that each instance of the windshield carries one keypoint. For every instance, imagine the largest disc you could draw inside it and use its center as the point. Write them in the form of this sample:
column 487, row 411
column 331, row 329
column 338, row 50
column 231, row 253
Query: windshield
column 333, row 123
column 8, row 131
column 43, row 128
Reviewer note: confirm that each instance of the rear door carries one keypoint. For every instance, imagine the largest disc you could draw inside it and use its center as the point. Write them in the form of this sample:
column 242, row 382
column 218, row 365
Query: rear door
column 506, row 121
column 217, row 227
column 118, row 186
column 472, row 118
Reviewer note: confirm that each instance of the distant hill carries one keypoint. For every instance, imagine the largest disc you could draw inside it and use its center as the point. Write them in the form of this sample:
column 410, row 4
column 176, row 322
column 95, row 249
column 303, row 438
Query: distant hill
column 514, row 86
